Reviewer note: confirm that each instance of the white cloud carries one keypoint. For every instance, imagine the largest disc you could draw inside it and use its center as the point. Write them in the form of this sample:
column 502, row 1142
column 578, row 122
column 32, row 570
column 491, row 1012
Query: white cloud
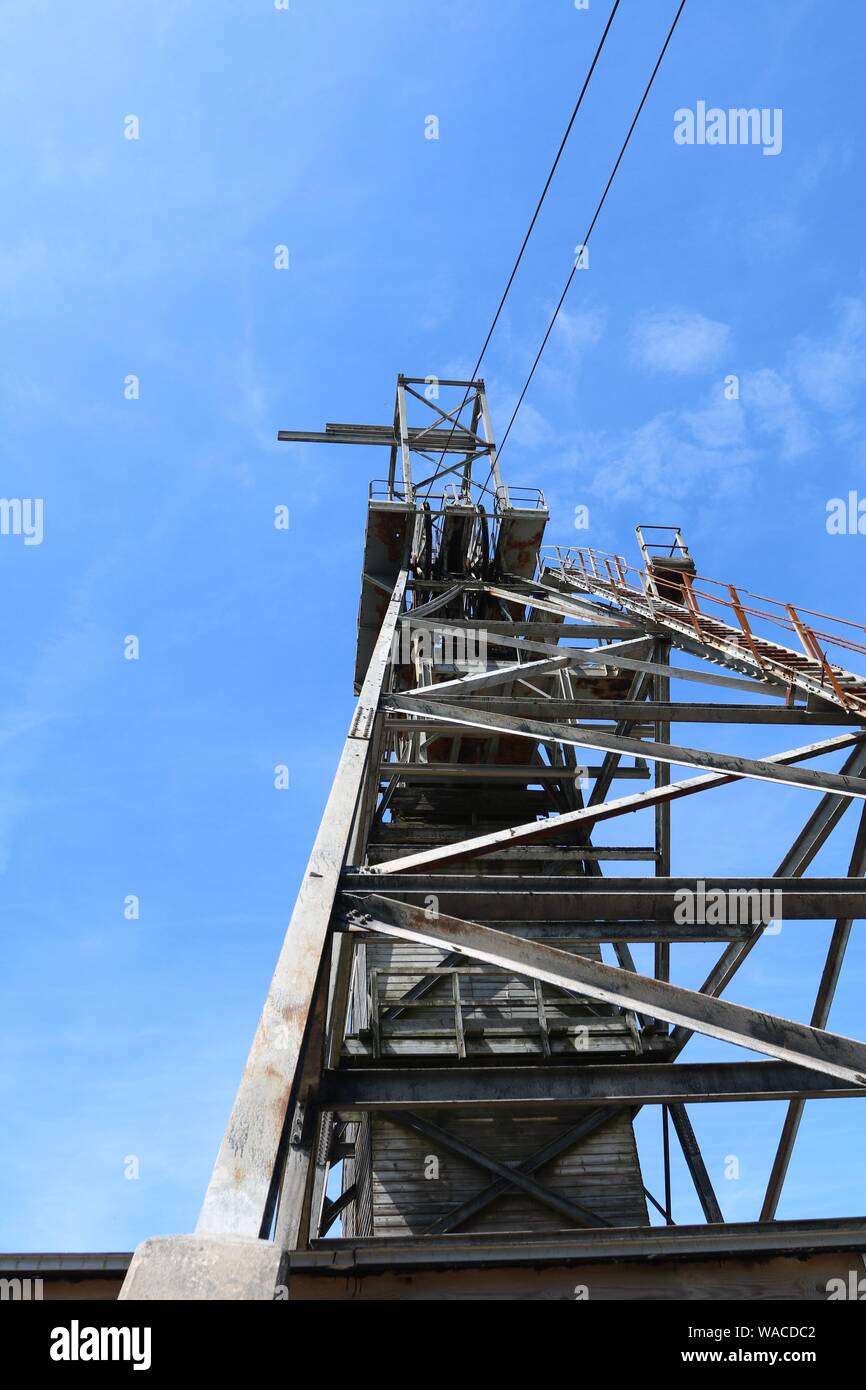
column 580, row 330
column 713, row 447
column 831, row 371
column 677, row 340
column 664, row 460
column 531, row 429
column 715, row 444
column 719, row 423
column 773, row 407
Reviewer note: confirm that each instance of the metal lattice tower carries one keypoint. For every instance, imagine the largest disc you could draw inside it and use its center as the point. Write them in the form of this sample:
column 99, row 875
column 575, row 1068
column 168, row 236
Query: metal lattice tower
column 445, row 1064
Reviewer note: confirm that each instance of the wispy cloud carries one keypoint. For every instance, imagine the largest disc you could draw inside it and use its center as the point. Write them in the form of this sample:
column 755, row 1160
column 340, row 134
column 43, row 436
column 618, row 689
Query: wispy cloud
column 723, row 436
column 831, row 370
column 774, row 409
column 678, row 340
column 663, row 459
column 580, row 330
column 717, row 423
column 531, row 428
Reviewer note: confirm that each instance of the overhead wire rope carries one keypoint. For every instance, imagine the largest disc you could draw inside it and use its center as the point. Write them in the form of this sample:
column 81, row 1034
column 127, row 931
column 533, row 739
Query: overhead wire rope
column 529, row 232
column 585, row 242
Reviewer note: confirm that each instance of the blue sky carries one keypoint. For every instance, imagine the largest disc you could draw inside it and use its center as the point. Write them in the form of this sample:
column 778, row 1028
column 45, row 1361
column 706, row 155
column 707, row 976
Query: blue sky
column 155, row 257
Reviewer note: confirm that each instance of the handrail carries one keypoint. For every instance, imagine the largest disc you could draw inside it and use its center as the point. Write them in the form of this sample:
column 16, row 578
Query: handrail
column 791, row 618
column 528, row 498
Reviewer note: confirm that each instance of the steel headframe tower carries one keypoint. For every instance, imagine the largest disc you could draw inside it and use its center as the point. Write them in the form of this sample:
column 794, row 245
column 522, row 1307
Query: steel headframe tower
column 444, row 1062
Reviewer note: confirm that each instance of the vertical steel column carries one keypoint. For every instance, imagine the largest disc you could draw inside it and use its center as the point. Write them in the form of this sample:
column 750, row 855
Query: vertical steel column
column 820, row 1018
column 242, row 1192
column 662, row 693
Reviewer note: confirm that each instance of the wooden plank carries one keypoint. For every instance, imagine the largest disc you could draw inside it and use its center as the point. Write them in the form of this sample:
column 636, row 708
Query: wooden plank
column 560, row 1143
column 720, row 1276
column 573, row 1212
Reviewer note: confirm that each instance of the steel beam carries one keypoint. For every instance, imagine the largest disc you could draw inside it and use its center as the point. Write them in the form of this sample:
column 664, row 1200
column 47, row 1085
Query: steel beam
column 677, row 712
column 695, row 1162
column 350, row 1260
column 614, row 901
column 499, row 627
column 573, row 933
column 542, row 830
column 820, row 1016
column 813, row 1048
column 547, row 1090
column 242, row 1192
column 814, row 834
column 527, row 773
column 661, row 695
column 543, row 731
column 595, row 661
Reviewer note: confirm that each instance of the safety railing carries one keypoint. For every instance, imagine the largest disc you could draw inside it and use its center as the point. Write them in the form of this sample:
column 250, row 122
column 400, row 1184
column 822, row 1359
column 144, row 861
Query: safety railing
column 381, row 491
column 519, row 499
column 707, row 602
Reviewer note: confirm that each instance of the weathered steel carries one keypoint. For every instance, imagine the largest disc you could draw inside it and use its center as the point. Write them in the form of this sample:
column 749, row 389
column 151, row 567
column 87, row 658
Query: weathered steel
column 695, row 1162
column 820, row 1016
column 528, row 773
column 540, row 830
column 676, row 608
column 560, row 1089
column 499, row 627
column 567, row 898
column 242, row 1192
column 591, row 661
column 814, row 834
column 441, row 985
column 538, row 730
column 677, row 712
column 776, row 1037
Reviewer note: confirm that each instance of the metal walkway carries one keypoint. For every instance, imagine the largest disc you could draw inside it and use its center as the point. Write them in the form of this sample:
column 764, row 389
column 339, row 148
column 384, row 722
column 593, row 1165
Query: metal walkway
column 671, row 595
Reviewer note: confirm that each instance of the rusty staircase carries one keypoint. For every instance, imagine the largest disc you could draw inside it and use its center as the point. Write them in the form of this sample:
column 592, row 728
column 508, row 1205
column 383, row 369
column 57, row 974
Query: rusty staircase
column 668, row 593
